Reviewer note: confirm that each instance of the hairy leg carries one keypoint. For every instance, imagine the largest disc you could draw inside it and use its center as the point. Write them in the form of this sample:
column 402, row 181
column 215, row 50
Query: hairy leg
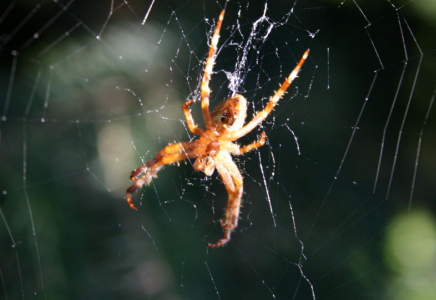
column 190, row 120
column 254, row 145
column 261, row 115
column 232, row 180
column 170, row 154
column 208, row 68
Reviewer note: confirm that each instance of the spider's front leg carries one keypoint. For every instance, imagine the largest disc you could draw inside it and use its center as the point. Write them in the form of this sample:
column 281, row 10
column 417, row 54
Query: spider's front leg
column 232, row 180
column 170, row 154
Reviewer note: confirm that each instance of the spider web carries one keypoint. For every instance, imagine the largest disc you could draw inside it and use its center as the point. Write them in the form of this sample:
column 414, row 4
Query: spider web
column 338, row 204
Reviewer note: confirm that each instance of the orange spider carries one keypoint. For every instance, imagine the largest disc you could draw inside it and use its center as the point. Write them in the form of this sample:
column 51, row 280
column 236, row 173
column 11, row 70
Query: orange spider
column 214, row 147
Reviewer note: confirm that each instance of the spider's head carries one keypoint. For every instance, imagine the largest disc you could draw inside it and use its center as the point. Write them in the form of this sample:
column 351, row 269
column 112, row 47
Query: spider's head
column 205, row 164
column 230, row 115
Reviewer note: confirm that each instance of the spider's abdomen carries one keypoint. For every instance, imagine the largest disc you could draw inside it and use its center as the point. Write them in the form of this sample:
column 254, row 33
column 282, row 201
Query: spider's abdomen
column 230, row 115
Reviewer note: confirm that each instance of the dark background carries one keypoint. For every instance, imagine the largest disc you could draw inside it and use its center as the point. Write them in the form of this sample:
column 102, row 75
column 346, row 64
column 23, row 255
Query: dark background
column 88, row 93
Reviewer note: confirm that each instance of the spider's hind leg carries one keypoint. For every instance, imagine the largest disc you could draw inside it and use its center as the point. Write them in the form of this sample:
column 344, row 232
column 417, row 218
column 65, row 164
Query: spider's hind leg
column 208, row 69
column 190, row 120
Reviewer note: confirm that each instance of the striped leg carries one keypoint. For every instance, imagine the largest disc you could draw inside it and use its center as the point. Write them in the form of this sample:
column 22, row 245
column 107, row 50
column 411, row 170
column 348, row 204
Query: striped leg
column 261, row 115
column 208, row 68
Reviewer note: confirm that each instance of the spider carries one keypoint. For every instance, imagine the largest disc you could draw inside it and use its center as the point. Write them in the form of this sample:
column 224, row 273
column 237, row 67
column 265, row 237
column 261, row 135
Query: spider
column 213, row 149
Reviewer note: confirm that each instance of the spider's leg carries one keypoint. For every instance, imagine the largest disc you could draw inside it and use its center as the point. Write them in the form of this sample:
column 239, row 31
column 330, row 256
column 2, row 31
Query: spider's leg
column 254, row 145
column 170, row 154
column 170, row 149
column 232, row 180
column 261, row 115
column 190, row 120
column 208, row 68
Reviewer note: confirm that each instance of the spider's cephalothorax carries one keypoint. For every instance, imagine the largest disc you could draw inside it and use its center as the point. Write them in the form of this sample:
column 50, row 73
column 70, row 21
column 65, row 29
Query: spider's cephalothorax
column 213, row 149
column 206, row 162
